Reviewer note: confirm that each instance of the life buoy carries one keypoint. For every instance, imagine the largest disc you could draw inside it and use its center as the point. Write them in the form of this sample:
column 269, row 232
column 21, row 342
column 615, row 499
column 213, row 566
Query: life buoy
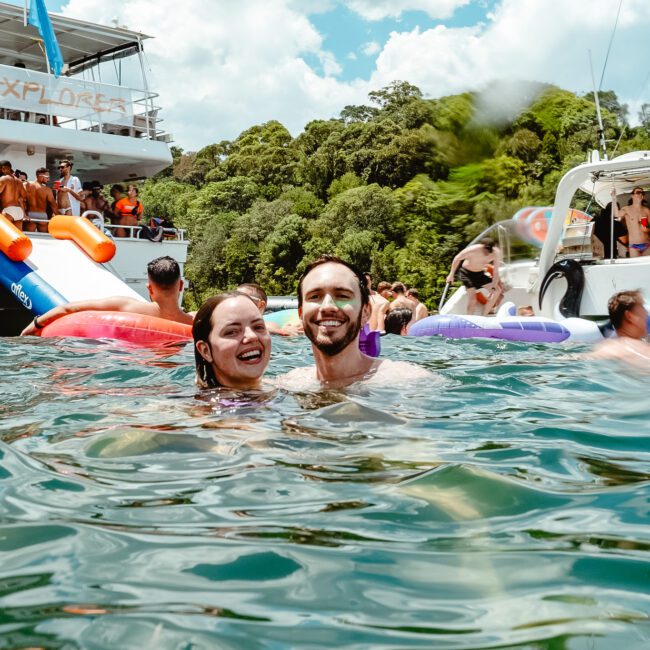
column 120, row 326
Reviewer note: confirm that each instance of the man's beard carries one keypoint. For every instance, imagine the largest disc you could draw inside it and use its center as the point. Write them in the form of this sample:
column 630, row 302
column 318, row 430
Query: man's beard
column 331, row 349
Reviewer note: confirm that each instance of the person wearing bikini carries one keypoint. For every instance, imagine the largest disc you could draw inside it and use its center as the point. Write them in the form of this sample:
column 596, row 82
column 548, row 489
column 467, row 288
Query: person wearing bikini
column 635, row 217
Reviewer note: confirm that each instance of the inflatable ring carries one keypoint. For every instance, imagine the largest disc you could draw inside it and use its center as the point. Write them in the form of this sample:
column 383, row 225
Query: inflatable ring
column 120, row 326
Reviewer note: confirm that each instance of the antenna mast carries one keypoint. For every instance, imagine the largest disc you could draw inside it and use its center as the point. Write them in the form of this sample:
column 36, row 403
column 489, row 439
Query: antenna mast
column 601, row 128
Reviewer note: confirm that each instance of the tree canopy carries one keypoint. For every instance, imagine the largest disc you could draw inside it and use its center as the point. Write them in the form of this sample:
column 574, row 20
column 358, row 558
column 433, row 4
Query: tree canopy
column 396, row 186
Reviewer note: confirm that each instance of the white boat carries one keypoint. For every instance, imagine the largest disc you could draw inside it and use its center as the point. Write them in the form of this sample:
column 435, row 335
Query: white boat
column 569, row 276
column 111, row 132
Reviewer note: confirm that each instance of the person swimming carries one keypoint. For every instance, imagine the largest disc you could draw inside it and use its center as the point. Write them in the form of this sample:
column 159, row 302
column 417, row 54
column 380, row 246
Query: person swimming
column 232, row 346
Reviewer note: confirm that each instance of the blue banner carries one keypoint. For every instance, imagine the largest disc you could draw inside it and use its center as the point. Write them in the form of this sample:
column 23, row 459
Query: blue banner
column 29, row 289
column 39, row 17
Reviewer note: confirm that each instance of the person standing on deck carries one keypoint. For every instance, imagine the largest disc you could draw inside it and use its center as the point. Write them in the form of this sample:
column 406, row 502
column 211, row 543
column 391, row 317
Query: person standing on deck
column 68, row 197
column 471, row 264
column 39, row 198
column 635, row 217
column 12, row 195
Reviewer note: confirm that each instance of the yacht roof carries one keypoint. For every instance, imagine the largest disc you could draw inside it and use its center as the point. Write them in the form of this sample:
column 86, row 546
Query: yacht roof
column 83, row 44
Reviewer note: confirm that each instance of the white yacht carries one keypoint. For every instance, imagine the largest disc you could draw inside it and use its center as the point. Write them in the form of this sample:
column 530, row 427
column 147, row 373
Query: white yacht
column 101, row 114
column 570, row 275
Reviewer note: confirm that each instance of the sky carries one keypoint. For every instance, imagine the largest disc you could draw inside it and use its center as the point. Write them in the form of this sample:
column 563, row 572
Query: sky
column 221, row 66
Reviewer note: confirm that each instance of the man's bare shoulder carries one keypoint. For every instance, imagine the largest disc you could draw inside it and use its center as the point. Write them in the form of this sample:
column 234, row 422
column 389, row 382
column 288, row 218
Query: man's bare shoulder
column 299, row 379
column 621, row 349
column 390, row 371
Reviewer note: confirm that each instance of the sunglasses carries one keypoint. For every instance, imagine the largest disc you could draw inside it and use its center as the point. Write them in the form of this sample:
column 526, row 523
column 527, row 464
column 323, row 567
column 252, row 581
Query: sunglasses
column 63, row 166
column 639, row 192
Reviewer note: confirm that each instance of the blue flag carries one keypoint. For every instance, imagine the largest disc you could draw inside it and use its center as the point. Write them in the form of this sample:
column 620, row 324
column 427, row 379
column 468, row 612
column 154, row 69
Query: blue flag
column 39, row 17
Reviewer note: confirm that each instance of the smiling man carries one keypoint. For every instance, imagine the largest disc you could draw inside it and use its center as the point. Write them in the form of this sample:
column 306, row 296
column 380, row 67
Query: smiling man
column 334, row 304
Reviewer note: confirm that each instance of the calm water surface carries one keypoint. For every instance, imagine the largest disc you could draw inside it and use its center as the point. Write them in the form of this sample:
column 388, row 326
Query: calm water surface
column 503, row 506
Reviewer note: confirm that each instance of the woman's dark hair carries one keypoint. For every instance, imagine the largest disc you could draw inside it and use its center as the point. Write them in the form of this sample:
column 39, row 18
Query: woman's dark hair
column 396, row 319
column 201, row 329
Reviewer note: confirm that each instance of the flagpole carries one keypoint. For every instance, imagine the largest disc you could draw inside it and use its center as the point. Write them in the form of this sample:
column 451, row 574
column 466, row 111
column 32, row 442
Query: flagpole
column 25, row 15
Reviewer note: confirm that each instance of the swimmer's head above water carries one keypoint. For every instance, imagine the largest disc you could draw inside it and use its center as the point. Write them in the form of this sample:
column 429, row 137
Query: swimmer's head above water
column 232, row 345
column 333, row 303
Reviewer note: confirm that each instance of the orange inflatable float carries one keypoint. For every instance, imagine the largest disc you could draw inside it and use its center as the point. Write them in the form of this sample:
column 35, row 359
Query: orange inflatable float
column 120, row 326
column 89, row 238
column 14, row 243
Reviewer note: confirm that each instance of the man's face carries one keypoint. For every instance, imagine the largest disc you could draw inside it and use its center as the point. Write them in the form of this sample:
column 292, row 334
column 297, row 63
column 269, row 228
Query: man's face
column 331, row 309
column 638, row 319
column 43, row 179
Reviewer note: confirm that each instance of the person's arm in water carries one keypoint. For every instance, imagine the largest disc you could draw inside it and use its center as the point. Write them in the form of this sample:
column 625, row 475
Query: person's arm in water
column 287, row 330
column 115, row 303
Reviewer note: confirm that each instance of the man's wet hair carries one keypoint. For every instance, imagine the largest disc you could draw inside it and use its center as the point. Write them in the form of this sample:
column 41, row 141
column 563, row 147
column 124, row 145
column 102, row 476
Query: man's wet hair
column 255, row 289
column 42, row 170
column 396, row 319
column 398, row 287
column 117, row 187
column 5, row 163
column 382, row 286
column 488, row 243
column 332, row 259
column 164, row 271
column 620, row 303
column 66, row 161
column 413, row 292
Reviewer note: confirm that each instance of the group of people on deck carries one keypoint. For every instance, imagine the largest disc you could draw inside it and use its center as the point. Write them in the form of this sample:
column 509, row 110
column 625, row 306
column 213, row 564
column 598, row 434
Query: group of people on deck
column 30, row 204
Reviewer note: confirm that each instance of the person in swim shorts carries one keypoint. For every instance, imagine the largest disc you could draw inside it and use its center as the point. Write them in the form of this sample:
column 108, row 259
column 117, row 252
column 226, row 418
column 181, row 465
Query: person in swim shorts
column 165, row 286
column 40, row 199
column 471, row 264
column 68, row 196
column 334, row 305
column 12, row 195
column 232, row 346
column 635, row 217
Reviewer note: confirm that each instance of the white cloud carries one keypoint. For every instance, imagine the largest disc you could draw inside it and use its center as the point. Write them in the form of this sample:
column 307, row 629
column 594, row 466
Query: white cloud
column 380, row 9
column 221, row 66
column 537, row 40
column 371, row 48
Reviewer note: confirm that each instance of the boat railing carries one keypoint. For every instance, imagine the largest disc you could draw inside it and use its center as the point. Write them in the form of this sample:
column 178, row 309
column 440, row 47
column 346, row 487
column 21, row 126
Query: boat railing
column 79, row 104
column 130, row 232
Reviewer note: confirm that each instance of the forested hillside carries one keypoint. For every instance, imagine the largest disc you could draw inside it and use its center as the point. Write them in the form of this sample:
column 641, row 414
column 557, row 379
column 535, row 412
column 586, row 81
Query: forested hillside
column 397, row 186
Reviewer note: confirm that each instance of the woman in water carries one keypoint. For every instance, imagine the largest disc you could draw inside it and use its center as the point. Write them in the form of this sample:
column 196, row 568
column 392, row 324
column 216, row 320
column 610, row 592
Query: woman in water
column 231, row 344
